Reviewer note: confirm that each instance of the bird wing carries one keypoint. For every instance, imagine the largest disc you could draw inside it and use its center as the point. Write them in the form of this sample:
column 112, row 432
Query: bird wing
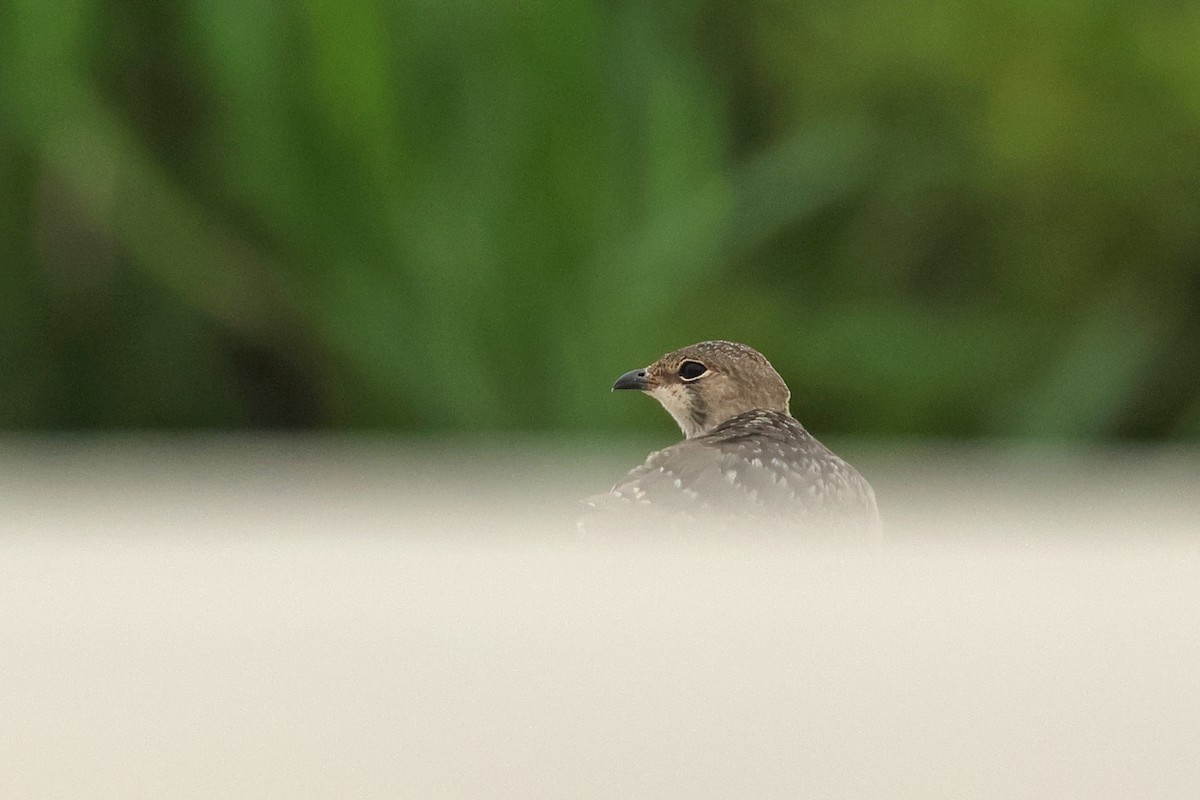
column 761, row 464
column 748, row 475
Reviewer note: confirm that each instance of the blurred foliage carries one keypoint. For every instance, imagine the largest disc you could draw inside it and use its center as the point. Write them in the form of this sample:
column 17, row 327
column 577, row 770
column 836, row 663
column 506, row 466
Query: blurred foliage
column 936, row 218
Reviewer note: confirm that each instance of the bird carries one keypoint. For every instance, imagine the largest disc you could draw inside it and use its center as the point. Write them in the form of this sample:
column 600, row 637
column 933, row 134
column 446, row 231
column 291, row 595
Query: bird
column 745, row 461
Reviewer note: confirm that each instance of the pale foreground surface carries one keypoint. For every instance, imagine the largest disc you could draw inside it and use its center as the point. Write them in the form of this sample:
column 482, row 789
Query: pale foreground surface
column 330, row 619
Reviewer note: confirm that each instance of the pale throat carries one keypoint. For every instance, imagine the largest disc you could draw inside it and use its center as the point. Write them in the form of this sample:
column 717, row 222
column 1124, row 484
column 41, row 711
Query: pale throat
column 675, row 400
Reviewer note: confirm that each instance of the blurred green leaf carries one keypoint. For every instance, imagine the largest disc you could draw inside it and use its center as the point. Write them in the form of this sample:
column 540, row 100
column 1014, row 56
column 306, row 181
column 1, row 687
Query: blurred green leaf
column 935, row 218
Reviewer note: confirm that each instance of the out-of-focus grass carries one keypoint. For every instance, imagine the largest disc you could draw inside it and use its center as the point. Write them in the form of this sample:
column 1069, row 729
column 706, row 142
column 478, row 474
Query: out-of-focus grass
column 935, row 219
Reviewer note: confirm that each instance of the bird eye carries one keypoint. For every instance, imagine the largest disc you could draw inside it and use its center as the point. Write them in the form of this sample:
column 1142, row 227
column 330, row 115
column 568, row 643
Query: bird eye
column 691, row 370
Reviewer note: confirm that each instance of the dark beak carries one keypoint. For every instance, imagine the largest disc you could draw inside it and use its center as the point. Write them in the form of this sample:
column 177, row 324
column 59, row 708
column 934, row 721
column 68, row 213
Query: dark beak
column 635, row 379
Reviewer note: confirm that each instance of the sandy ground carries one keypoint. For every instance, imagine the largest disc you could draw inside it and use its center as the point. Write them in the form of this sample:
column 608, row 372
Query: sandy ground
column 313, row 619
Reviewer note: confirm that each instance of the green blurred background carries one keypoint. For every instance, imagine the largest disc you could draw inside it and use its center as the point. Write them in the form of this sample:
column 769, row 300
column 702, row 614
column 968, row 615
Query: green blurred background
column 936, row 218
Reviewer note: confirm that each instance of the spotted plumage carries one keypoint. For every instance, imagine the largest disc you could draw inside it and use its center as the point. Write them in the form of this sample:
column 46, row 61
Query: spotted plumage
column 744, row 455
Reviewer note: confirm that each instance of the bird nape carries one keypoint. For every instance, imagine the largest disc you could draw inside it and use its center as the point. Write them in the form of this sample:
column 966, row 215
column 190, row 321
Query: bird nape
column 745, row 463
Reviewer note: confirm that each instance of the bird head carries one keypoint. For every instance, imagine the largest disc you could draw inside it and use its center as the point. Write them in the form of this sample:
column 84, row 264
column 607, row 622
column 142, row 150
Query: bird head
column 705, row 384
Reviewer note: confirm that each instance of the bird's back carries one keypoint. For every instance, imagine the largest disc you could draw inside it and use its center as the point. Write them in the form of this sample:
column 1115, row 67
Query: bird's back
column 759, row 466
